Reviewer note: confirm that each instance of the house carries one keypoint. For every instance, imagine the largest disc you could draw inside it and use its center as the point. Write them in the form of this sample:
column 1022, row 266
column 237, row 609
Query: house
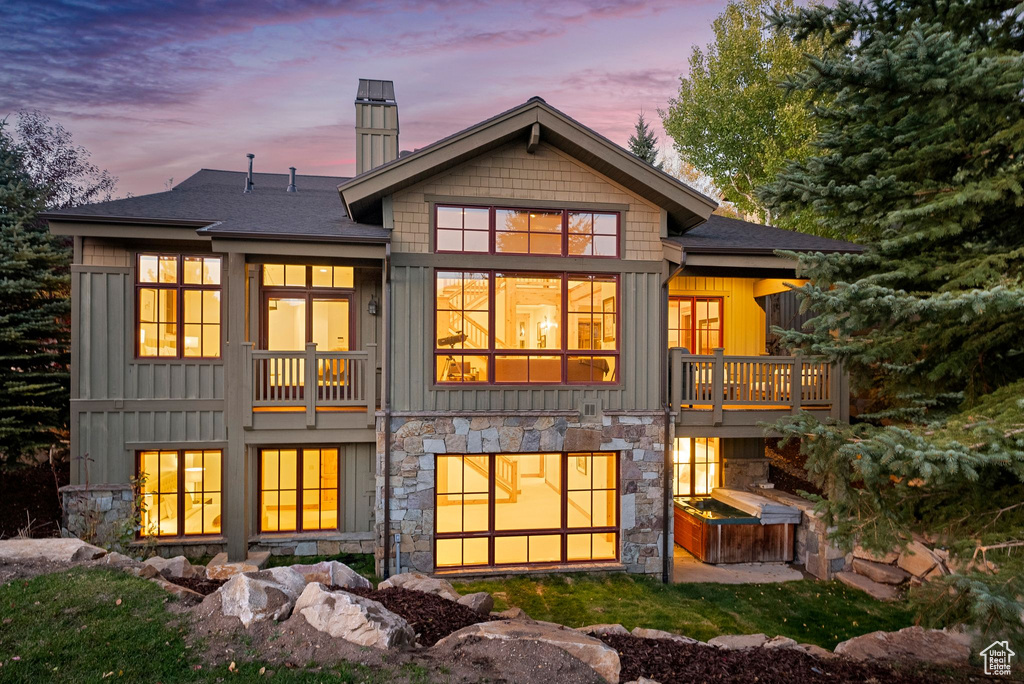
column 509, row 349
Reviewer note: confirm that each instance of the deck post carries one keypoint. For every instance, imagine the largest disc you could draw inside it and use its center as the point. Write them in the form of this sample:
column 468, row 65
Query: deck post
column 370, row 378
column 796, row 382
column 310, row 384
column 718, row 386
column 247, row 385
column 675, row 387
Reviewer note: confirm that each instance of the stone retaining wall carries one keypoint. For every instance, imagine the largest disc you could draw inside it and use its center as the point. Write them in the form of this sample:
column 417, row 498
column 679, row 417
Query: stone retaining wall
column 96, row 513
column 813, row 549
column 416, row 440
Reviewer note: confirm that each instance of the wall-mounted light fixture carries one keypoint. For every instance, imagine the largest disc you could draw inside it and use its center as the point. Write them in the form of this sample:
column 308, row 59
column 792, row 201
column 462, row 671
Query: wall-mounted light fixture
column 372, row 306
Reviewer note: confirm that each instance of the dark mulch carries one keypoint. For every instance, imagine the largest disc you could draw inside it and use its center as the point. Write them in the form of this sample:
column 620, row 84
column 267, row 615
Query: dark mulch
column 198, row 584
column 30, row 493
column 786, row 468
column 431, row 617
column 668, row 661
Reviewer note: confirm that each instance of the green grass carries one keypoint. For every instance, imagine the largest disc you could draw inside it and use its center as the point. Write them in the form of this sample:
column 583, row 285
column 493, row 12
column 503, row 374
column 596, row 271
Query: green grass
column 808, row 611
column 360, row 562
column 69, row 627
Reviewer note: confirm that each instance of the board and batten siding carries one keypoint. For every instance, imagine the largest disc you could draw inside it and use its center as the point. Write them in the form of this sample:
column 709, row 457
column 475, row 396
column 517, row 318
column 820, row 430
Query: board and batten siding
column 359, row 487
column 414, row 389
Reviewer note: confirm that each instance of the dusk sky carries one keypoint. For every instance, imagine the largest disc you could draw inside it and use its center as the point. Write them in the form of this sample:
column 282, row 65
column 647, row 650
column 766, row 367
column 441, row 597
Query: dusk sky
column 156, row 90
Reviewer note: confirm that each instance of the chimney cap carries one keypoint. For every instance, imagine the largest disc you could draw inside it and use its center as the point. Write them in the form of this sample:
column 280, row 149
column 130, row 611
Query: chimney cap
column 250, row 155
column 376, row 91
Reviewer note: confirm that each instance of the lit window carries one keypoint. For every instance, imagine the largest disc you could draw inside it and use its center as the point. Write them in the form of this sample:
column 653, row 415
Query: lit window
column 178, row 306
column 592, row 234
column 297, row 275
column 462, row 306
column 181, row 492
column 697, row 462
column 463, row 229
column 547, row 508
column 695, row 323
column 520, row 231
column 298, row 490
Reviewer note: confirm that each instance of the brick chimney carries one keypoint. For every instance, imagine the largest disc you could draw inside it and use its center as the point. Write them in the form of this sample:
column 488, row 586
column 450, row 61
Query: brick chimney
column 376, row 124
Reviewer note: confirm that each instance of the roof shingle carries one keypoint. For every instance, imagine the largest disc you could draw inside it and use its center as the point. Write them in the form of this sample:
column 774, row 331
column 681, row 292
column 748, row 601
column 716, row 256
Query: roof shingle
column 721, row 234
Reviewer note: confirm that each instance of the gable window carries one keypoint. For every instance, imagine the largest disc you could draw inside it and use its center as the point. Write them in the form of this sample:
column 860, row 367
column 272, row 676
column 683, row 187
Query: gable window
column 544, row 232
column 178, row 306
column 695, row 323
column 499, row 327
column 299, row 490
column 181, row 492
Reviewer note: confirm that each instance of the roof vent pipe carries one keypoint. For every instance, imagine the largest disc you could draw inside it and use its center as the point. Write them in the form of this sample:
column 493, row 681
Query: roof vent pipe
column 291, row 179
column 248, row 176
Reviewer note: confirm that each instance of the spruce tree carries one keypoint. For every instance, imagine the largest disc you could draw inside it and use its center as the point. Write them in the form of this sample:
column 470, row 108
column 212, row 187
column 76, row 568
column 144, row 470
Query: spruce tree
column 919, row 157
column 34, row 310
column 643, row 143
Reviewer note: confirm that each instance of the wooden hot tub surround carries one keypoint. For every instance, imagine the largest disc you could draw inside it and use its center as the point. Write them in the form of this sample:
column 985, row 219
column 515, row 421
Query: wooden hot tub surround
column 717, row 533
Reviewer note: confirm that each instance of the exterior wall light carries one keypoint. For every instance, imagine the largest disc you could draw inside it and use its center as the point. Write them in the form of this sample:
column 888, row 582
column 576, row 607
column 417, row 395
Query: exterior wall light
column 372, row 306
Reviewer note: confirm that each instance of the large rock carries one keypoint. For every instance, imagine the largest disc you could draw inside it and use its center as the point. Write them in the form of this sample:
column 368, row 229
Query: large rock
column 910, row 644
column 333, row 573
column 598, row 655
column 353, row 618
column 917, row 559
column 887, row 558
column 816, row 651
column 264, row 595
column 602, row 629
column 879, row 572
column 513, row 613
column 876, row 590
column 120, row 561
column 55, row 550
column 417, row 581
column 736, row 642
column 174, row 567
column 220, row 569
column 647, row 633
column 480, row 602
column 780, row 642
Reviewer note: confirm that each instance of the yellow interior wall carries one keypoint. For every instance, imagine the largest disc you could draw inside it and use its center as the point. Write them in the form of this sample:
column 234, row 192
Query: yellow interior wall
column 742, row 318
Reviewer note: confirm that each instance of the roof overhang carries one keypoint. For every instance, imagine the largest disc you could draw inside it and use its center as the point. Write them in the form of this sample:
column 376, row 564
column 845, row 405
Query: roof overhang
column 675, row 253
column 108, row 227
column 363, row 195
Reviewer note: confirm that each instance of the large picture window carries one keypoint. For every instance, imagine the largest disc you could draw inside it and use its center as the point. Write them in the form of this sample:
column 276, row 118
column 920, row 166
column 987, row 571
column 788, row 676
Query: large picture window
column 178, row 306
column 695, row 323
column 545, row 232
column 299, row 490
column 697, row 462
column 514, row 509
column 512, row 328
column 181, row 492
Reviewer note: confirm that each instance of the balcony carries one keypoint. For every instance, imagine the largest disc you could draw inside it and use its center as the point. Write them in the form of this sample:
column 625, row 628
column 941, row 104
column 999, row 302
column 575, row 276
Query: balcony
column 280, row 381
column 736, row 393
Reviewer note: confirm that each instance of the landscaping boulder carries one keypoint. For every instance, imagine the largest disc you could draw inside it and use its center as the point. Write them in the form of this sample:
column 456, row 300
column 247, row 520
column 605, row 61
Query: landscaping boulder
column 601, row 630
column 646, row 633
column 598, row 655
column 816, row 651
column 417, row 581
column 887, row 558
column 879, row 572
column 513, row 613
column 353, row 618
column 876, row 590
column 780, row 642
column 735, row 642
column 333, row 572
column 219, row 568
column 55, row 550
column 910, row 644
column 174, row 567
column 121, row 561
column 263, row 595
column 917, row 559
column 480, row 602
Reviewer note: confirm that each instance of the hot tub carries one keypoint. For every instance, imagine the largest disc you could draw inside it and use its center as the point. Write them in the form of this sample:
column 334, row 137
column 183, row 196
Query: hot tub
column 715, row 532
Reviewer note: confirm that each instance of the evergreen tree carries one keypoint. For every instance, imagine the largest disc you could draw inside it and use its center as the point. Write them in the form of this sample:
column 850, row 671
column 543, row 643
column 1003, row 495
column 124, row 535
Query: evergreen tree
column 643, row 143
column 34, row 310
column 920, row 157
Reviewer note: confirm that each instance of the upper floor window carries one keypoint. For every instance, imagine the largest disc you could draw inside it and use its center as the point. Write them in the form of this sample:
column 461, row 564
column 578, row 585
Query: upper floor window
column 695, row 323
column 526, row 327
column 545, row 232
column 178, row 306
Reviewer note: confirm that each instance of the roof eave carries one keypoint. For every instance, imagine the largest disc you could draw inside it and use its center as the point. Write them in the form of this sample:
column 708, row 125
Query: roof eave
column 138, row 220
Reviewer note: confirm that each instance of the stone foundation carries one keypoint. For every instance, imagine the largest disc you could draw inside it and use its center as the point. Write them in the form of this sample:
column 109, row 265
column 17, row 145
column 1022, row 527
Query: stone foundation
column 416, row 440
column 98, row 513
column 325, row 545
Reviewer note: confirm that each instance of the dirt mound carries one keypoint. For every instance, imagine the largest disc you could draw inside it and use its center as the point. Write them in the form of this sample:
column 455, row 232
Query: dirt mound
column 200, row 585
column 432, row 617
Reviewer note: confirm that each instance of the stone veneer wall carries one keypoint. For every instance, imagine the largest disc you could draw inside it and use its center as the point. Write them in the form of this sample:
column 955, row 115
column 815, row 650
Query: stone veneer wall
column 818, row 555
column 416, row 440
column 740, row 472
column 94, row 512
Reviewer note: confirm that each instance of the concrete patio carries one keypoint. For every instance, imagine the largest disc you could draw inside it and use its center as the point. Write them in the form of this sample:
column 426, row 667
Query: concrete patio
column 686, row 568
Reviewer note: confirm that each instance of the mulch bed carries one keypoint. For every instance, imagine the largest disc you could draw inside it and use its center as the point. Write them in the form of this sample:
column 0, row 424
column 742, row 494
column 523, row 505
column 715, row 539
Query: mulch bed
column 786, row 469
column 30, row 493
column 432, row 617
column 668, row 661
column 199, row 585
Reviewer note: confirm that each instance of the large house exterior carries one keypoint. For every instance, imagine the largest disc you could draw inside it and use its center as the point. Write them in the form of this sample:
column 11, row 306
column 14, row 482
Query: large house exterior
column 505, row 351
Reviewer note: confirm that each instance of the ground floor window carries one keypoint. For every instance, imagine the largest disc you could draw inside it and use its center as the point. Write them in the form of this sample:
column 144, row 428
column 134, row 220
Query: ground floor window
column 697, row 462
column 299, row 490
column 512, row 509
column 181, row 492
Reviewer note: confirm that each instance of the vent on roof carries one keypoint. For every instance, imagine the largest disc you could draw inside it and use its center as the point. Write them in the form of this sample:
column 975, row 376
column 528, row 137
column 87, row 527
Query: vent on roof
column 291, row 179
column 248, row 176
column 376, row 124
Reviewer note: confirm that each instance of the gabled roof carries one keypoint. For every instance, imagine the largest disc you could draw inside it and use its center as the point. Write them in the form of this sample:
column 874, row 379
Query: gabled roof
column 724, row 235
column 213, row 202
column 363, row 195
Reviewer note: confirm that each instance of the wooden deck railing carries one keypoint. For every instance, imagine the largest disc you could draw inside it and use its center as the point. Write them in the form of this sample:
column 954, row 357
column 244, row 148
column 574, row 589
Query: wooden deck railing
column 281, row 379
column 717, row 382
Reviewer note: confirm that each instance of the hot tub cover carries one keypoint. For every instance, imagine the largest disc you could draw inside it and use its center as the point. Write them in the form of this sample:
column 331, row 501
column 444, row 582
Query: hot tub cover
column 769, row 512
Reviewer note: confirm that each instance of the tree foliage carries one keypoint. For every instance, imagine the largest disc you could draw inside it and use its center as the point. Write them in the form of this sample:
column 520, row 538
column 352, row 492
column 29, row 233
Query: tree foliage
column 732, row 120
column 643, row 143
column 920, row 157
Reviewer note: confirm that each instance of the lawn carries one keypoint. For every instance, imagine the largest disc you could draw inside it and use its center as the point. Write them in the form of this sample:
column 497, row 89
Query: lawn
column 808, row 611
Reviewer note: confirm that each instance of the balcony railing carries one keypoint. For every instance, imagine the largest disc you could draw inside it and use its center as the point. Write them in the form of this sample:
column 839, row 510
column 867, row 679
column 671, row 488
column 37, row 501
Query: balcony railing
column 339, row 380
column 720, row 383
